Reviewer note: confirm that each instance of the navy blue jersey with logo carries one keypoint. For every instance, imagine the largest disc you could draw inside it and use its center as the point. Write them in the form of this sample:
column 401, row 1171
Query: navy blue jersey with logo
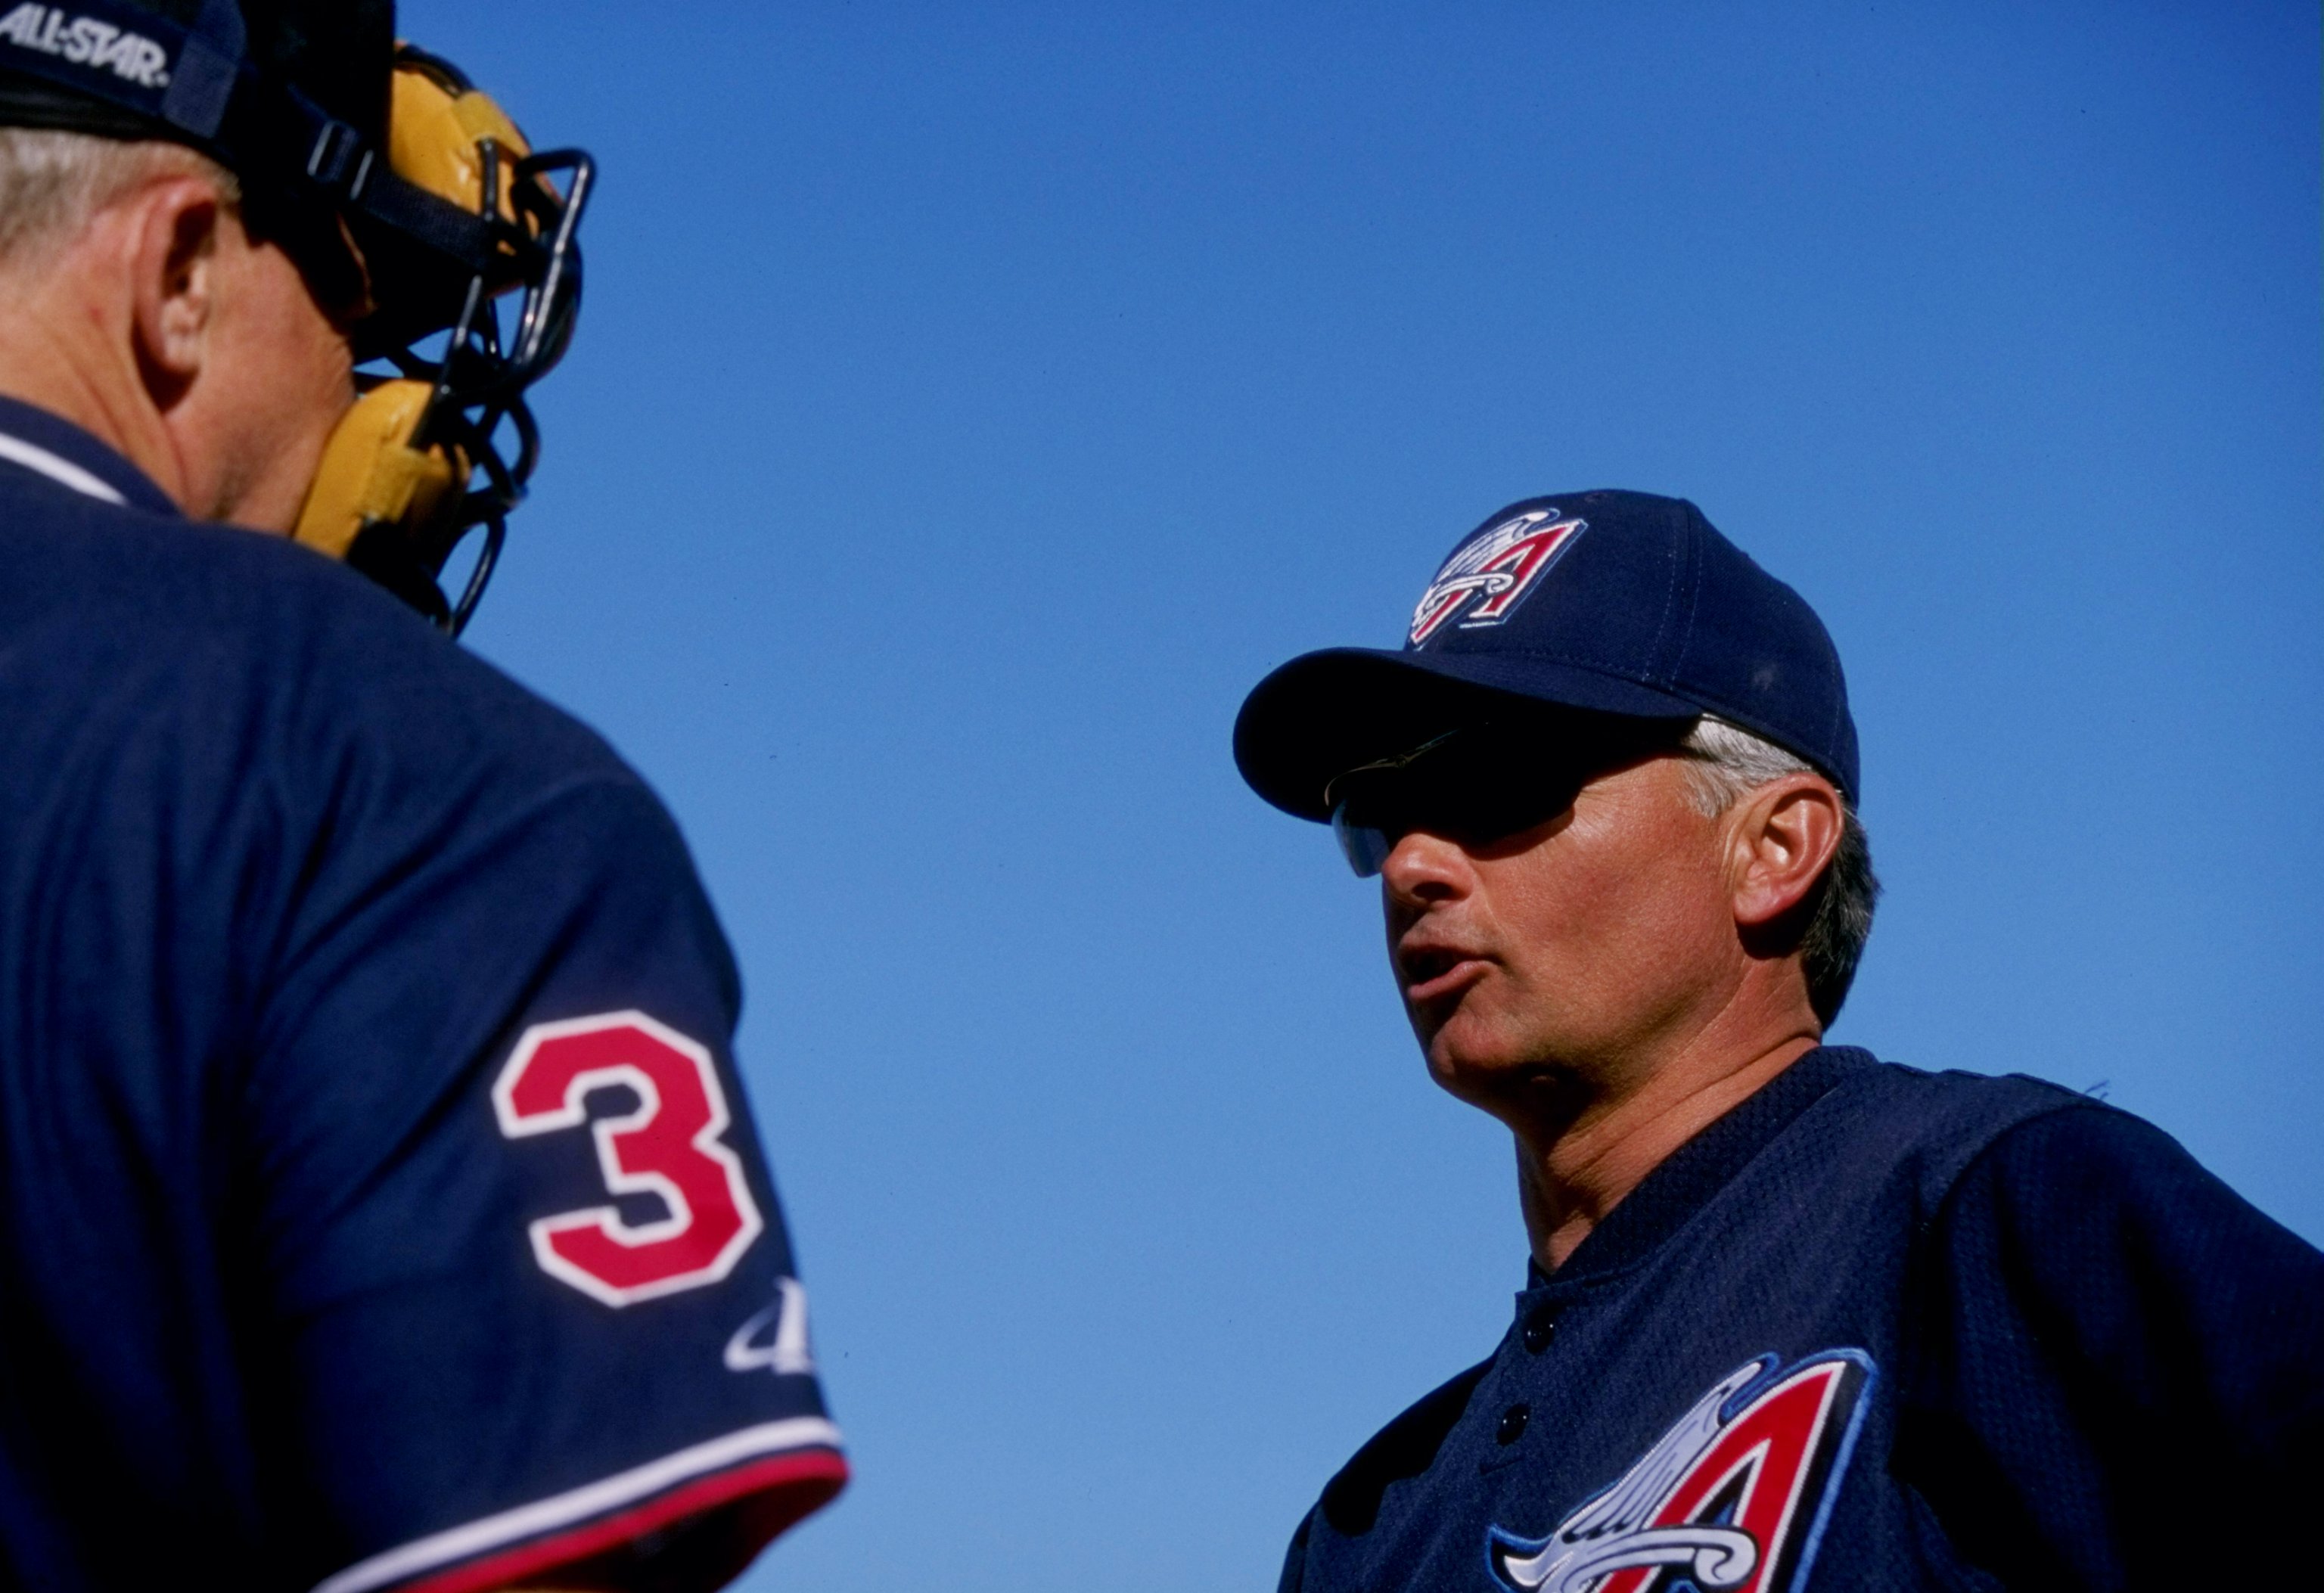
column 379, row 1207
column 1875, row 1330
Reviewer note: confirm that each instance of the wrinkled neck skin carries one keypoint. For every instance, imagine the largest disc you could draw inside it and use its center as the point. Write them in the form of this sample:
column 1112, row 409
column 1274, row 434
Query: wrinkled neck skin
column 1588, row 1130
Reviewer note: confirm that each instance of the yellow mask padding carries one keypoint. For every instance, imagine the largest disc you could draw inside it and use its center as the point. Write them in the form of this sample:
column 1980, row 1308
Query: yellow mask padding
column 372, row 472
column 432, row 134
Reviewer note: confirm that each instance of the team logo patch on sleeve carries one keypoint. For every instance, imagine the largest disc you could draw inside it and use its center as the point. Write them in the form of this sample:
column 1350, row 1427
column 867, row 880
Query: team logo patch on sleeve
column 1732, row 1499
column 1492, row 573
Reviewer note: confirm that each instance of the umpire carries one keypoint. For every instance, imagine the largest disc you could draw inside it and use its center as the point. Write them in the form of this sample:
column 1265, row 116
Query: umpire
column 1796, row 1318
column 380, row 1210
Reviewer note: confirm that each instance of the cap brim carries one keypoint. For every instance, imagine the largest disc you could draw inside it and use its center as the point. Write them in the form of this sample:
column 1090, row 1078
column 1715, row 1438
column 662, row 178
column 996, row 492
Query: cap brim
column 1325, row 713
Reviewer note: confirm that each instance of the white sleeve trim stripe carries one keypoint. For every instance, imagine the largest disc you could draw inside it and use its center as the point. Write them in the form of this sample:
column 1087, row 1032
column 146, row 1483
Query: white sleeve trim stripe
column 17, row 451
column 567, row 1509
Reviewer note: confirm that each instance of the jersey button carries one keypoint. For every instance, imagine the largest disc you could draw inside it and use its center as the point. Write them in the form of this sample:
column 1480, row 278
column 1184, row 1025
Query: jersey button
column 1513, row 1423
column 1540, row 1327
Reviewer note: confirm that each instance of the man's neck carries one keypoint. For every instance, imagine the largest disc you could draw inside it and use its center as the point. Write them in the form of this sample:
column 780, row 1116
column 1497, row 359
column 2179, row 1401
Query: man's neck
column 1575, row 1168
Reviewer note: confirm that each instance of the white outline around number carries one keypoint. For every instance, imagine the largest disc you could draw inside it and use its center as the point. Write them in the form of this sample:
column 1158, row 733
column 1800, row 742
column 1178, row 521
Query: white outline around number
column 572, row 1113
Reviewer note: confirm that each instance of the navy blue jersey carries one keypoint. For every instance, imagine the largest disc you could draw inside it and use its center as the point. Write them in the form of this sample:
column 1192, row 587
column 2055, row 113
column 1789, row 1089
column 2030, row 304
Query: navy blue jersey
column 1875, row 1330
column 379, row 1207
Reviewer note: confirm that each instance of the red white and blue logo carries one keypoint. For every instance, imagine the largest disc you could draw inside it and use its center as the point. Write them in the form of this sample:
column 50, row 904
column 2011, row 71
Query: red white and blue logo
column 1732, row 1499
column 1490, row 574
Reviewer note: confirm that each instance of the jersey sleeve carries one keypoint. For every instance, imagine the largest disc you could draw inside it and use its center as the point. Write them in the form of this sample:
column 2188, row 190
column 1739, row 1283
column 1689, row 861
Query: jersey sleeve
column 528, row 1299
column 2120, row 1373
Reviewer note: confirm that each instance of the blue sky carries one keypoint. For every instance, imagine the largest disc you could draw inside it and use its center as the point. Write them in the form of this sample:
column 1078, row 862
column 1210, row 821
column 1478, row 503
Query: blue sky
column 971, row 403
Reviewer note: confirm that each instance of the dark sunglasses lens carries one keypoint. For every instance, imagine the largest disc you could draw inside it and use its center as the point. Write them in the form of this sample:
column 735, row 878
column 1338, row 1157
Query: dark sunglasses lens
column 1366, row 847
column 1508, row 806
column 1477, row 798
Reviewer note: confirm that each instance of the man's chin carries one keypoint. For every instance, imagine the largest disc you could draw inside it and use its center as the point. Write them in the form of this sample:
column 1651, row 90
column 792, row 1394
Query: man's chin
column 1508, row 1081
column 1472, row 1069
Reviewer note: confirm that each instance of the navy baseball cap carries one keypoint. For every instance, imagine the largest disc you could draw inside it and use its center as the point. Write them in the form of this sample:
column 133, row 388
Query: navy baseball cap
column 1607, row 602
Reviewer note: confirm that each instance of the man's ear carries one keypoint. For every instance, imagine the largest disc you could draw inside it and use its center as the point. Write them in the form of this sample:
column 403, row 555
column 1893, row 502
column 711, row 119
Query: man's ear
column 174, row 232
column 1783, row 839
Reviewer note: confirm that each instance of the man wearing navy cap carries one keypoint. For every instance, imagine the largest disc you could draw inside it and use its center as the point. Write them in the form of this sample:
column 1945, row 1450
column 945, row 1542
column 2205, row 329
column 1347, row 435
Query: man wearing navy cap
column 1795, row 1317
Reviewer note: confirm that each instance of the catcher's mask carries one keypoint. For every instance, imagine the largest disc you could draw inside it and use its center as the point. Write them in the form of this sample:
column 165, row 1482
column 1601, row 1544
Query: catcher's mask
column 448, row 247
column 465, row 317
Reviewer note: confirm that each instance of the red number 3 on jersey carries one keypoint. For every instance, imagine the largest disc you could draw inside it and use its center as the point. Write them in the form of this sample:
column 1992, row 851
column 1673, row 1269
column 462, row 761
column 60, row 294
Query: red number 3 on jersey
column 668, row 1146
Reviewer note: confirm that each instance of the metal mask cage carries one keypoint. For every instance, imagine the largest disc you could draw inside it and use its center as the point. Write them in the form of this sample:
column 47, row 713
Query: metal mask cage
column 481, row 368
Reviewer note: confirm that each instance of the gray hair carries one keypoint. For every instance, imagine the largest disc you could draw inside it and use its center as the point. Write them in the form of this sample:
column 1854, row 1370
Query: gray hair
column 1725, row 764
column 53, row 183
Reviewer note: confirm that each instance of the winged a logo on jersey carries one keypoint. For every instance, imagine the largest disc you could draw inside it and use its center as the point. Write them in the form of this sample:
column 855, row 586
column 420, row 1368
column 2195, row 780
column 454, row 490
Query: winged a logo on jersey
column 1732, row 1499
column 1492, row 573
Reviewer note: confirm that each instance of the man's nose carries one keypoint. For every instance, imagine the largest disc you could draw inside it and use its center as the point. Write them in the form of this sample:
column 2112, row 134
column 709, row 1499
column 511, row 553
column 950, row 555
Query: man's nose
column 1422, row 868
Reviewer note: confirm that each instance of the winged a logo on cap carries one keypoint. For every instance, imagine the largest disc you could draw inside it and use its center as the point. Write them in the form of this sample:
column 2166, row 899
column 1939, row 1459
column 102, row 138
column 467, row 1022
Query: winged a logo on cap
column 1492, row 571
column 1732, row 1498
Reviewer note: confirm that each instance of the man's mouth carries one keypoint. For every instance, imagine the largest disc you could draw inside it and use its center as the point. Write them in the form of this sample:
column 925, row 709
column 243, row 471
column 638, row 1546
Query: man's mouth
column 1432, row 972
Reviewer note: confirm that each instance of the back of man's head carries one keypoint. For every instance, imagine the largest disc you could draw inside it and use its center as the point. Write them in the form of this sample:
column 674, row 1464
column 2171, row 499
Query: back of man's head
column 52, row 181
column 166, row 186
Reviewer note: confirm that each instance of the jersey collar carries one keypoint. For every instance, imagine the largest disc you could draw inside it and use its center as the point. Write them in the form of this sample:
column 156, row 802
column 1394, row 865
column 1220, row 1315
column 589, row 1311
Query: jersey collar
column 34, row 442
column 1698, row 1170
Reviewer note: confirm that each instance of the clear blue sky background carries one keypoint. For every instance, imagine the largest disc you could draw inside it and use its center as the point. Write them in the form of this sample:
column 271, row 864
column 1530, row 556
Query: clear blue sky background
column 973, row 402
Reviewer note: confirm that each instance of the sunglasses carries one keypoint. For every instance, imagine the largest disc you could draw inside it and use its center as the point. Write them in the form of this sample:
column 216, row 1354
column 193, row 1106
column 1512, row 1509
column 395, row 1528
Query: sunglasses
column 1477, row 784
